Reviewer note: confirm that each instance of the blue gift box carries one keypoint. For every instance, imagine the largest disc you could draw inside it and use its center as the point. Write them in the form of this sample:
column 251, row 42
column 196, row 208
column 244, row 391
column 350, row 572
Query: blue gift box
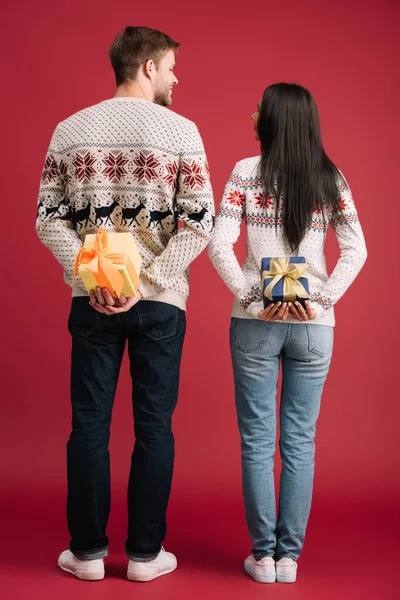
column 277, row 292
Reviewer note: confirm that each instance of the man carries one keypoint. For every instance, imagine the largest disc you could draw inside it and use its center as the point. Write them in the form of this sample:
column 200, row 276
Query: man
column 126, row 164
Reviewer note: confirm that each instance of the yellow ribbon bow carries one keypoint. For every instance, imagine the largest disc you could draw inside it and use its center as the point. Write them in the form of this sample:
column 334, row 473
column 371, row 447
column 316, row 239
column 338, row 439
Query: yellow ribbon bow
column 100, row 261
column 291, row 272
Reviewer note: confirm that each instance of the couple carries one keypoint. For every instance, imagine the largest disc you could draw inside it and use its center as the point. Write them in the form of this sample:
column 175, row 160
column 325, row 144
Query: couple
column 130, row 164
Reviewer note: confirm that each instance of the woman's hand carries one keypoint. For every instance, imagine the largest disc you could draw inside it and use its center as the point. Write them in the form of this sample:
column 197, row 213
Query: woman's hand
column 282, row 311
column 273, row 312
column 296, row 311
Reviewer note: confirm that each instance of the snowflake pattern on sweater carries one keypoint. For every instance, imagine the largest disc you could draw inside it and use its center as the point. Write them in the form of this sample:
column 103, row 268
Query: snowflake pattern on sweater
column 127, row 164
column 244, row 199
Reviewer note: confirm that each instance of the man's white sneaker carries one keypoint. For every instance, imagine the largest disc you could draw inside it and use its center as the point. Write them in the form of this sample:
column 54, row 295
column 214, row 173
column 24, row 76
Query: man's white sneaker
column 88, row 570
column 147, row 571
column 286, row 570
column 262, row 570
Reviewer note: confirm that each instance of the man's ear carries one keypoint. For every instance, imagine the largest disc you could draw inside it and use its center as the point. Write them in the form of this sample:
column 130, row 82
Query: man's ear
column 149, row 68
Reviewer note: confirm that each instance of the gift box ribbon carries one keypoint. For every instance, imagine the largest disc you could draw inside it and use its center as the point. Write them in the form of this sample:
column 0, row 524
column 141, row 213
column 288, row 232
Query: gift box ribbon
column 291, row 272
column 100, row 261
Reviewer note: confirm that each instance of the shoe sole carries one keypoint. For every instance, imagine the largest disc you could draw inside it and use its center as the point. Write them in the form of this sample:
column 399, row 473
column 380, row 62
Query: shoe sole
column 85, row 576
column 286, row 578
column 259, row 578
column 143, row 577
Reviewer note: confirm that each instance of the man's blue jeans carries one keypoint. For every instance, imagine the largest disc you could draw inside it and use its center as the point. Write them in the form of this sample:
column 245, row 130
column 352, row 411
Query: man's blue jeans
column 154, row 332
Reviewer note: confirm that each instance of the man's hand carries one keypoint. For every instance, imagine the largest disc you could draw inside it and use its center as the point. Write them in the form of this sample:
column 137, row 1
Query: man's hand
column 296, row 311
column 273, row 312
column 103, row 302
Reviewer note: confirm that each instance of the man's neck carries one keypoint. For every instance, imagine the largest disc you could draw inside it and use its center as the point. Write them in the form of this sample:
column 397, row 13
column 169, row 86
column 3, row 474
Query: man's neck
column 133, row 91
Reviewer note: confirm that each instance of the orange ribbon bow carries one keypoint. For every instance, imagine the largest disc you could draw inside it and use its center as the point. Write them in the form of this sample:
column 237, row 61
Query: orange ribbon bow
column 100, row 261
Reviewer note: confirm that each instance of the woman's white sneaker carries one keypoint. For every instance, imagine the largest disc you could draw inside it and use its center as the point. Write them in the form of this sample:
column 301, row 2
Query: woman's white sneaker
column 286, row 570
column 88, row 570
column 262, row 570
column 147, row 571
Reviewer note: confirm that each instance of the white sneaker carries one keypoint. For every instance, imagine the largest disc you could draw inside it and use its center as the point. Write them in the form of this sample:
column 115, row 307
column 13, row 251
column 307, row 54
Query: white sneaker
column 147, row 571
column 89, row 570
column 262, row 570
column 286, row 570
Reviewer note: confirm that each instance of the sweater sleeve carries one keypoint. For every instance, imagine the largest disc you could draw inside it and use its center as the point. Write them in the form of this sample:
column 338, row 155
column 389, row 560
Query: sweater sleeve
column 194, row 208
column 227, row 231
column 353, row 253
column 53, row 224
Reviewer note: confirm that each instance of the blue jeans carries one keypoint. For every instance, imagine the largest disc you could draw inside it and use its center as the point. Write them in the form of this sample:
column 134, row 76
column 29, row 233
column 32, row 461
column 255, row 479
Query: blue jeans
column 257, row 350
column 154, row 333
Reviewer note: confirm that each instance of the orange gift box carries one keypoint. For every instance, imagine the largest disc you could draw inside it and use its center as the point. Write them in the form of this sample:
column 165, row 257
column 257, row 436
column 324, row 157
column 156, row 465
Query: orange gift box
column 109, row 260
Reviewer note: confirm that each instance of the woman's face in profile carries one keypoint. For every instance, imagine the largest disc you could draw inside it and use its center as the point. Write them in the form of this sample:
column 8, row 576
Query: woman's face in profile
column 254, row 118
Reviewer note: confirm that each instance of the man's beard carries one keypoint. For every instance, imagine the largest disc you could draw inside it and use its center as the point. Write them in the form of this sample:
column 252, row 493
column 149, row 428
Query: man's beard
column 162, row 97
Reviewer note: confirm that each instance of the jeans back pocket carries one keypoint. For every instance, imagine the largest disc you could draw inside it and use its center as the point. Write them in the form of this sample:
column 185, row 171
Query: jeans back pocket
column 83, row 320
column 320, row 339
column 160, row 321
column 249, row 335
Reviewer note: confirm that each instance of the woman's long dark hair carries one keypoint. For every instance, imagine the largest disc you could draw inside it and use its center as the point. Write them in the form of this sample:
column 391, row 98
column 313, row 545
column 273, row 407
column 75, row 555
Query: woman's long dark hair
column 294, row 166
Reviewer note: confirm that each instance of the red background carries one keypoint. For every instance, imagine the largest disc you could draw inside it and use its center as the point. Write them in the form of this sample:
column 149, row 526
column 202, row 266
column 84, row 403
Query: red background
column 55, row 63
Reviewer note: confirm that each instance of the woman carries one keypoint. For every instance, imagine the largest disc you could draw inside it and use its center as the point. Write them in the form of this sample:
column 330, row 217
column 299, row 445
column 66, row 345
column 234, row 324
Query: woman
column 287, row 197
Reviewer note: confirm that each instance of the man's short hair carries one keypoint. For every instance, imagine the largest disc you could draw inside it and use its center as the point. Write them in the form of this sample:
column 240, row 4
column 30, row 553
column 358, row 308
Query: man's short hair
column 134, row 46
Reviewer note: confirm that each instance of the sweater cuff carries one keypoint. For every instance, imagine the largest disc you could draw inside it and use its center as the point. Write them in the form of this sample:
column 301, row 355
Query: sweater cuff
column 319, row 310
column 254, row 308
column 250, row 299
column 147, row 289
column 76, row 283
